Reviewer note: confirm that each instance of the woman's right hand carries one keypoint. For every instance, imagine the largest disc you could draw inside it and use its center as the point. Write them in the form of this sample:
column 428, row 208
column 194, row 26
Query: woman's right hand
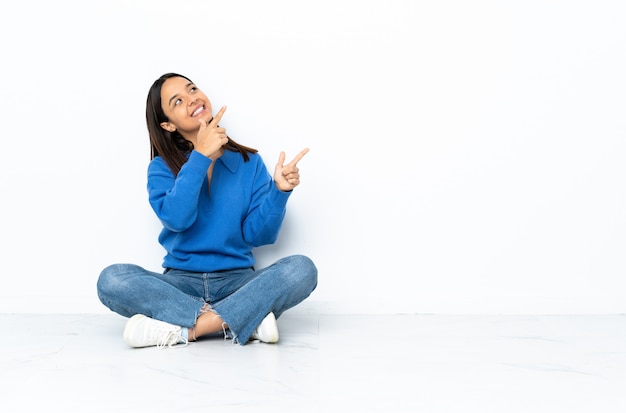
column 211, row 137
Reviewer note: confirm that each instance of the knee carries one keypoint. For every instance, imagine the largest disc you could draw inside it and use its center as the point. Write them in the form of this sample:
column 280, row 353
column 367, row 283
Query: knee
column 305, row 270
column 113, row 278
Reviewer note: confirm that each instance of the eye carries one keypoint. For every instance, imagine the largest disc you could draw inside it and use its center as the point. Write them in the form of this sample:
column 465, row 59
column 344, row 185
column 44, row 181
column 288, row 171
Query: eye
column 193, row 89
column 178, row 101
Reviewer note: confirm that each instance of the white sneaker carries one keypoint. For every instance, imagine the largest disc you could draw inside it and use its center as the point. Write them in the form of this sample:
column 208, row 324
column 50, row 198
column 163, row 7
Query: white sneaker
column 142, row 331
column 267, row 331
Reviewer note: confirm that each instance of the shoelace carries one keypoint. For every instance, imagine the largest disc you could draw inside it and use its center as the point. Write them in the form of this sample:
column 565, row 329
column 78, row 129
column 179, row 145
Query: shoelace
column 171, row 339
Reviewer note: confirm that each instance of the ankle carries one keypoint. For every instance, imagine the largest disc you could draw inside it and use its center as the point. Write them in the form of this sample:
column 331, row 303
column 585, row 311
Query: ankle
column 191, row 334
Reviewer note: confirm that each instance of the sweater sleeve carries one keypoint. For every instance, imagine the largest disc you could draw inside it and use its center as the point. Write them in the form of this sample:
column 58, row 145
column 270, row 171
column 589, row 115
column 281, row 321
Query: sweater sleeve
column 174, row 199
column 267, row 209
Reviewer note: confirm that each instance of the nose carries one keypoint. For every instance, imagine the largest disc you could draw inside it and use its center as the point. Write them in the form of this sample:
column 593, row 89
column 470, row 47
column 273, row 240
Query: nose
column 192, row 99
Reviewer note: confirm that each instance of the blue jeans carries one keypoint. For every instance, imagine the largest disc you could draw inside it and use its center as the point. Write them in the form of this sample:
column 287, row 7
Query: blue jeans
column 242, row 298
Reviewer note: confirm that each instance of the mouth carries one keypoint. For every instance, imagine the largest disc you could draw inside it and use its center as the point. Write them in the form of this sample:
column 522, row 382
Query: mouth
column 198, row 111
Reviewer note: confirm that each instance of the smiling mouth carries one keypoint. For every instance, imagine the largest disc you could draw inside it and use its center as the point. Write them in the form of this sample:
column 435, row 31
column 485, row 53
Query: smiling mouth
column 198, row 111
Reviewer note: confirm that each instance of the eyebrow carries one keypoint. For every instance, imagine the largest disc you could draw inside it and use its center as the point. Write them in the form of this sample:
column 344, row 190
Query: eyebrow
column 169, row 102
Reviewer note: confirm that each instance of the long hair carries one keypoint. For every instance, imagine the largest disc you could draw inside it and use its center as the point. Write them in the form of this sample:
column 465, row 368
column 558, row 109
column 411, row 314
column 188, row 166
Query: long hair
column 171, row 145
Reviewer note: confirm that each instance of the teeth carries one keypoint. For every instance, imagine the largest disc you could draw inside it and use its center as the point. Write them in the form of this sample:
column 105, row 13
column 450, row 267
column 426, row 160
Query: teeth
column 197, row 111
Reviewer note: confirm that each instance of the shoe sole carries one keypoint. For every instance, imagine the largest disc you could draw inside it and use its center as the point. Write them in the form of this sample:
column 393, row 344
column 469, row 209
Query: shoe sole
column 130, row 325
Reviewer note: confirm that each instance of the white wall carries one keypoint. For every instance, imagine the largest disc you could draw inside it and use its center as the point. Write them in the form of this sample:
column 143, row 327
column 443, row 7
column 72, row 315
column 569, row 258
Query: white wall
column 466, row 157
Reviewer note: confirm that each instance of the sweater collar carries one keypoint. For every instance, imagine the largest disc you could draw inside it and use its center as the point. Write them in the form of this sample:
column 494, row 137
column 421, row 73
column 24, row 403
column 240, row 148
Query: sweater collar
column 231, row 160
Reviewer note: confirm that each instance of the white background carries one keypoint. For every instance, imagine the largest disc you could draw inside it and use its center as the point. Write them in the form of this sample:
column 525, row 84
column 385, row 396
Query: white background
column 466, row 157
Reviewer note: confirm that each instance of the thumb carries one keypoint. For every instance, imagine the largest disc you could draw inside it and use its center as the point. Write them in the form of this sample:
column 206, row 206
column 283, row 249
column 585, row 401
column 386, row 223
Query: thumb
column 281, row 160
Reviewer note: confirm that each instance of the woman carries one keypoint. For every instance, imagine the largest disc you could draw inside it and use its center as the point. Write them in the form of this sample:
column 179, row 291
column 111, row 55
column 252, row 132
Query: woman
column 216, row 202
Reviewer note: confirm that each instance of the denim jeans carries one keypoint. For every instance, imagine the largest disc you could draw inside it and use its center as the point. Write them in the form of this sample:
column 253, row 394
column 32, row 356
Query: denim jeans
column 242, row 298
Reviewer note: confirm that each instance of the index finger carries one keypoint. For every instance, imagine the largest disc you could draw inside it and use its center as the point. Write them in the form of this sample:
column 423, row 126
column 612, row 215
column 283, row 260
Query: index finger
column 298, row 157
column 216, row 119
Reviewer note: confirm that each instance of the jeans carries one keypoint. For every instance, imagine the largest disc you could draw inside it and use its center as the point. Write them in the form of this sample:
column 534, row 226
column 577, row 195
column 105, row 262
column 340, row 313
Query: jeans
column 242, row 297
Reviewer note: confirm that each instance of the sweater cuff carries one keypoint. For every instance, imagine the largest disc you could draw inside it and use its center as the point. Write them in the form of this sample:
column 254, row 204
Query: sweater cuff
column 198, row 162
column 279, row 197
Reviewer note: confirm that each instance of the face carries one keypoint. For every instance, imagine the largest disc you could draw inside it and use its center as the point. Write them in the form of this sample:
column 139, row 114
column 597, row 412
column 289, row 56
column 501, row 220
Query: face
column 184, row 105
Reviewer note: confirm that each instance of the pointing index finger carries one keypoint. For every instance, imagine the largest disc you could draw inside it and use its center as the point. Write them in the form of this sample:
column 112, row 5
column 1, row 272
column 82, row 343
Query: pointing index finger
column 216, row 119
column 298, row 157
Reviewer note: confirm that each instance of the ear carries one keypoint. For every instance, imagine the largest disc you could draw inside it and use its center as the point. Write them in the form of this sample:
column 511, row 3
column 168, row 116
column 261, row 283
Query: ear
column 168, row 126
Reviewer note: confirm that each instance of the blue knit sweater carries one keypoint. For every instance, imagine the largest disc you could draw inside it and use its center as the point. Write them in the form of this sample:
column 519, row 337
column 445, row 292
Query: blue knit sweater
column 211, row 230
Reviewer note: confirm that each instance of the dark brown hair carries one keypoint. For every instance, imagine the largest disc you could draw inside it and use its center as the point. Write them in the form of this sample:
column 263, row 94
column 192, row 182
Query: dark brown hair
column 171, row 145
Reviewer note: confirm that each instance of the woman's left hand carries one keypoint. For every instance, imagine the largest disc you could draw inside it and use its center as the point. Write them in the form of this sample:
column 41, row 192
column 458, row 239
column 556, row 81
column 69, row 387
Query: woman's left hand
column 287, row 177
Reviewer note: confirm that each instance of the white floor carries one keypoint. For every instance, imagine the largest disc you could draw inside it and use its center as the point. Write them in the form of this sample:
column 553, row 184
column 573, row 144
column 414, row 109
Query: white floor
column 355, row 363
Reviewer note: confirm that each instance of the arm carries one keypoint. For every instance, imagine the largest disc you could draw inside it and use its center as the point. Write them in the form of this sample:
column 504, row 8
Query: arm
column 175, row 199
column 269, row 200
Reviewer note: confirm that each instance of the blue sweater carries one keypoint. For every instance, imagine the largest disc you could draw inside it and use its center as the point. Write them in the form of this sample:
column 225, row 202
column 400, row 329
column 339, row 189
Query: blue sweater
column 207, row 231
